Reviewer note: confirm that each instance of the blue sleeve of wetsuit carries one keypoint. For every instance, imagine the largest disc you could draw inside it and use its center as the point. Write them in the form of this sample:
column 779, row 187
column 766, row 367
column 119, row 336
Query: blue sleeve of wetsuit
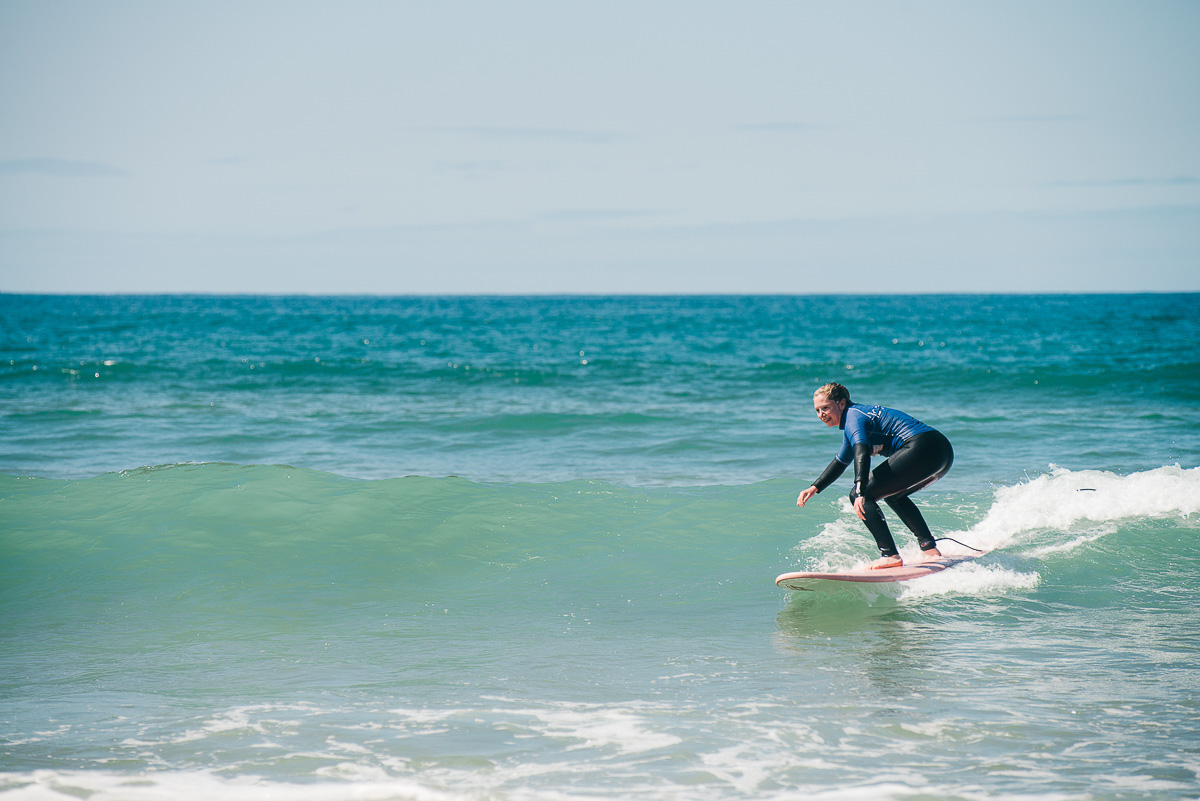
column 856, row 450
column 855, row 431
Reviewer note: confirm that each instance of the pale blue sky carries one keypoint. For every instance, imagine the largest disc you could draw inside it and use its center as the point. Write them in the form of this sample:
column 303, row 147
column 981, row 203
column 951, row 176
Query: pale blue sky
column 481, row 147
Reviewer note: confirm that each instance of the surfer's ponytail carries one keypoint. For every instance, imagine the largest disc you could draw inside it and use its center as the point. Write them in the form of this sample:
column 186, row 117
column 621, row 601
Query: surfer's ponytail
column 835, row 393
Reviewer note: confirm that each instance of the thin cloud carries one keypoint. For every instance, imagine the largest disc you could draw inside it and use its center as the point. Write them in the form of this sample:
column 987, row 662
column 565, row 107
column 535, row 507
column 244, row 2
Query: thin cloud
column 61, row 168
column 1179, row 180
column 564, row 135
column 473, row 166
column 597, row 215
column 782, row 127
column 1029, row 119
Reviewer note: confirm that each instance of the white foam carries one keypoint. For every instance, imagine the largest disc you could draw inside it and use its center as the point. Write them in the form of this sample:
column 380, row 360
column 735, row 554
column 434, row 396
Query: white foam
column 1054, row 513
column 969, row 579
column 742, row 767
column 1057, row 513
column 46, row 785
column 739, row 770
column 1089, row 536
column 836, row 547
column 238, row 719
column 1059, row 500
column 596, row 726
column 1063, row 499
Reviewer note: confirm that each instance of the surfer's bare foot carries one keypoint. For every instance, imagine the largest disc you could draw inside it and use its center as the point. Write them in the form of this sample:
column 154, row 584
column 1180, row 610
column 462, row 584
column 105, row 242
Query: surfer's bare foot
column 887, row 561
column 930, row 555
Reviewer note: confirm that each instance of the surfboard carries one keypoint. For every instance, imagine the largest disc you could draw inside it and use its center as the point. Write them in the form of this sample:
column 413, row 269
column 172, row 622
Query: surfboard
column 814, row 581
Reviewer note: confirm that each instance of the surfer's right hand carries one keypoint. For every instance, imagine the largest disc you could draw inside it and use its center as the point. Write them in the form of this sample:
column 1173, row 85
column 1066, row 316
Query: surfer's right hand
column 806, row 496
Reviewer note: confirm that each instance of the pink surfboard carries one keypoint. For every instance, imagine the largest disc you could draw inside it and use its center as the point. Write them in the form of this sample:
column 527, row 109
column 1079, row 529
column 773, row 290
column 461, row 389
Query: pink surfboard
column 813, row 581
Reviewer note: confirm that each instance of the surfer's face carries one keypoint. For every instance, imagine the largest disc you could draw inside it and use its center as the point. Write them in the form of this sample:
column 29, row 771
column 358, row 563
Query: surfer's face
column 829, row 412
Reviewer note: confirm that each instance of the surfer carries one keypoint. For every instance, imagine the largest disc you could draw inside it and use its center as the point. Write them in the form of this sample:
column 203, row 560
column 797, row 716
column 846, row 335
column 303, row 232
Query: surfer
column 917, row 455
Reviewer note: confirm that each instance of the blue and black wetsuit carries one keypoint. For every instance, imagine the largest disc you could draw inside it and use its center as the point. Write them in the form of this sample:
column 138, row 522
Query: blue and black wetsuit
column 917, row 455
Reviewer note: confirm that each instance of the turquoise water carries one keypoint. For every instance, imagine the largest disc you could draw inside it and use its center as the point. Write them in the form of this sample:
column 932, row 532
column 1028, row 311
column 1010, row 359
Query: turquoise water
column 524, row 548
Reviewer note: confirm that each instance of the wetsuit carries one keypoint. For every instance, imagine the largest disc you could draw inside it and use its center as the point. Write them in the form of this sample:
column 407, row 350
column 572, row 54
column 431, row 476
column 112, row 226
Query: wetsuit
column 917, row 455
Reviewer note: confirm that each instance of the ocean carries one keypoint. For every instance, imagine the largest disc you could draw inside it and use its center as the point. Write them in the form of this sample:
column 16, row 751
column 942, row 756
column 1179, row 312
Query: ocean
column 524, row 548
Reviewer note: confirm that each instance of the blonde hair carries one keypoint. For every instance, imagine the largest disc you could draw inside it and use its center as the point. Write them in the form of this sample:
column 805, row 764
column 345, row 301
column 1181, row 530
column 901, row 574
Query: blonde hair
column 835, row 393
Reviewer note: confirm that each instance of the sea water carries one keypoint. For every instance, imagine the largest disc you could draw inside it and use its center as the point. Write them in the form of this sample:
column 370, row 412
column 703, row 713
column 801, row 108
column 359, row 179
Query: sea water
column 524, row 548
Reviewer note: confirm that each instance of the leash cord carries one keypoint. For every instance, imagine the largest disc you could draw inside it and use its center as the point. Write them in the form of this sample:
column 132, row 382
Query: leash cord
column 963, row 544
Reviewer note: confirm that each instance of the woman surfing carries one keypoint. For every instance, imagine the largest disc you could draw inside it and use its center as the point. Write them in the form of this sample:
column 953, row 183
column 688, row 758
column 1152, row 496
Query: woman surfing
column 917, row 455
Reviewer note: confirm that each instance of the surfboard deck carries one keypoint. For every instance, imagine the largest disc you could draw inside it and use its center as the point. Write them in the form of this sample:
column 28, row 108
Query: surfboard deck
column 813, row 581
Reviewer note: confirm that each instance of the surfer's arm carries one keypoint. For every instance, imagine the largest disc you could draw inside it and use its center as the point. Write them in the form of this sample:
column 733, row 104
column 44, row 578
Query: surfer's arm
column 856, row 446
column 862, row 472
column 826, row 478
column 830, row 474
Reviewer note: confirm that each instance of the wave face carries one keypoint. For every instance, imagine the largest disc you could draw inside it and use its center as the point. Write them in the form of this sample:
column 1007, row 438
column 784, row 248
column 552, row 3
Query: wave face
column 524, row 548
column 246, row 543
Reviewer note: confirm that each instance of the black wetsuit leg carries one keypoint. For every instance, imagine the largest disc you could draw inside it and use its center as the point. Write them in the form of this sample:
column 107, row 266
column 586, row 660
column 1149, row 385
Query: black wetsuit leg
column 877, row 525
column 918, row 463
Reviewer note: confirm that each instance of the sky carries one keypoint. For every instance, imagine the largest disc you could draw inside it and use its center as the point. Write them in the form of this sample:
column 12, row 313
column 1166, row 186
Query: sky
column 415, row 147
